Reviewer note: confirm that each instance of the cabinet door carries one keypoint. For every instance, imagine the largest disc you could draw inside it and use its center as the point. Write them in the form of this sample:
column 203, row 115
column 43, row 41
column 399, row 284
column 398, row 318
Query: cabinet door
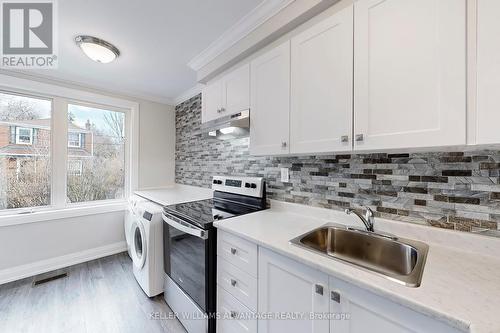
column 355, row 310
column 270, row 102
column 488, row 72
column 286, row 286
column 236, row 90
column 410, row 72
column 211, row 101
column 322, row 65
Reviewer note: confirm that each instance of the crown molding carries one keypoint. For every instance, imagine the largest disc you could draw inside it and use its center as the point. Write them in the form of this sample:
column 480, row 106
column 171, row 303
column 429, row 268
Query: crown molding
column 77, row 85
column 260, row 14
column 188, row 94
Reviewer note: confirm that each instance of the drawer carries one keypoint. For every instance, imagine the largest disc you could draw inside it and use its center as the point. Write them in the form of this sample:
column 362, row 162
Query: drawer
column 238, row 283
column 237, row 251
column 234, row 316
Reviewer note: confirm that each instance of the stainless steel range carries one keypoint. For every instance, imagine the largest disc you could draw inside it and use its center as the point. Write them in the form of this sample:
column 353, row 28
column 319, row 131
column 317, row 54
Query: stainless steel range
column 190, row 245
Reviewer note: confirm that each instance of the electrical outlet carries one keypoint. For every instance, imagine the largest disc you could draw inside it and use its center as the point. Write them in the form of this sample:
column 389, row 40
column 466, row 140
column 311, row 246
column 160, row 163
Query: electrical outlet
column 285, row 176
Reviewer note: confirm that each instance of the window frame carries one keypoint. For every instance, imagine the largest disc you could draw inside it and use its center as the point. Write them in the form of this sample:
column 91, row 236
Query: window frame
column 18, row 135
column 60, row 96
column 79, row 140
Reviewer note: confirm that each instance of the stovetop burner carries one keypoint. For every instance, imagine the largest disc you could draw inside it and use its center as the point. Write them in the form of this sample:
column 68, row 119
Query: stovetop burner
column 203, row 213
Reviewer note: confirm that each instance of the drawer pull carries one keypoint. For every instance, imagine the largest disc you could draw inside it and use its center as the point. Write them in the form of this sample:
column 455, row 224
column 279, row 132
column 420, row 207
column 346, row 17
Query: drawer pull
column 233, row 314
column 233, row 251
column 233, row 282
column 335, row 296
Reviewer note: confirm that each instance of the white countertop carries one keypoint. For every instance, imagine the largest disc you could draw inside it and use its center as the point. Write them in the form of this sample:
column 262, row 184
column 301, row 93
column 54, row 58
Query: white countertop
column 461, row 279
column 175, row 194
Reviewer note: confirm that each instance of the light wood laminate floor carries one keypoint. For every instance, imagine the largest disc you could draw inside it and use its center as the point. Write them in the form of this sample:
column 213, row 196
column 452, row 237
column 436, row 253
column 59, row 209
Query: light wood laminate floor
column 99, row 296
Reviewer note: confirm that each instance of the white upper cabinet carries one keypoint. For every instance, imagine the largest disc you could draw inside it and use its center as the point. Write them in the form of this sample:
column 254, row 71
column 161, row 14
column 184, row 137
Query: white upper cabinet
column 211, row 101
column 321, row 93
column 488, row 72
column 410, row 73
column 270, row 102
column 227, row 95
column 236, row 90
column 286, row 286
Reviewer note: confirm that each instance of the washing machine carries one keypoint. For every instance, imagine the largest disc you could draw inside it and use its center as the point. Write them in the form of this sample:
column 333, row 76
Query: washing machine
column 146, row 246
column 130, row 215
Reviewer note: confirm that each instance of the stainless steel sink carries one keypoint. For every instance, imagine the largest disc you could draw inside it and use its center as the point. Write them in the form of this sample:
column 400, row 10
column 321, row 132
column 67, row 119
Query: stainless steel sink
column 398, row 259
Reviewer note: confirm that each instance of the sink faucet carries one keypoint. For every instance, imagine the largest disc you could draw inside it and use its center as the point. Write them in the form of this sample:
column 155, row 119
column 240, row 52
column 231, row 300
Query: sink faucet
column 368, row 220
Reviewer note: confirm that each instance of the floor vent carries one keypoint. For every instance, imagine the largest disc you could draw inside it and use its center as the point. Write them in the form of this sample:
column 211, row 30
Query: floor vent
column 44, row 278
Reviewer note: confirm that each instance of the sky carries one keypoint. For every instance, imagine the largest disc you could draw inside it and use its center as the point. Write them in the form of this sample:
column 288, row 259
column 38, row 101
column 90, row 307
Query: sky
column 43, row 107
column 84, row 113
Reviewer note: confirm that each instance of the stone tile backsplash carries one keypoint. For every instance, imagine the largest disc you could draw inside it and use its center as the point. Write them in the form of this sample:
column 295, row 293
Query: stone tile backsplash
column 454, row 190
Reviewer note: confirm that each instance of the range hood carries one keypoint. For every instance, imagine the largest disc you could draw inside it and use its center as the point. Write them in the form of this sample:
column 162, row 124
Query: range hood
column 228, row 127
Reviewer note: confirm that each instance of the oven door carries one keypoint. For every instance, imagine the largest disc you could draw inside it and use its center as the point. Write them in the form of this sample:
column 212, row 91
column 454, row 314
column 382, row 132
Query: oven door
column 186, row 258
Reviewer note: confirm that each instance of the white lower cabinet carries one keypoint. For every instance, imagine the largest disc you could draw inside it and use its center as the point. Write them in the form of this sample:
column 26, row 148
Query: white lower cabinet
column 355, row 310
column 234, row 316
column 293, row 297
column 289, row 288
column 236, row 284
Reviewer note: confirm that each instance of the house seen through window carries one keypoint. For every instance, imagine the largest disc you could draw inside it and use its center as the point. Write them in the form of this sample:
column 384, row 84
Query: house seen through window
column 25, row 164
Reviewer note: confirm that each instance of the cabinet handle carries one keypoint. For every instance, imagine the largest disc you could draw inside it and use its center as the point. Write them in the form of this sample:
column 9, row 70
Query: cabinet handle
column 319, row 289
column 335, row 296
column 344, row 138
column 360, row 137
column 233, row 314
column 283, row 144
column 233, row 251
column 233, row 282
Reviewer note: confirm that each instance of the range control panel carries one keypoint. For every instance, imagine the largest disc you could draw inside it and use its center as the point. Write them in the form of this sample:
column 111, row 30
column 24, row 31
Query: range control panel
column 251, row 186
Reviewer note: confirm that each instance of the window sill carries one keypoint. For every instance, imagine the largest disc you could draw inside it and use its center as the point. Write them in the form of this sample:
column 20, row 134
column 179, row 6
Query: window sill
column 64, row 213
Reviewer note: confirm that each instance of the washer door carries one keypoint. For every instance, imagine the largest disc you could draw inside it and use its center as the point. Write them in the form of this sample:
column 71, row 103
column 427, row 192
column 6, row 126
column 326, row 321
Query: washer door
column 138, row 244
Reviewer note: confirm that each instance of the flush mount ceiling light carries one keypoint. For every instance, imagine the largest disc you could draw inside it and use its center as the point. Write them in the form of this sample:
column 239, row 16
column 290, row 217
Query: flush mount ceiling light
column 97, row 49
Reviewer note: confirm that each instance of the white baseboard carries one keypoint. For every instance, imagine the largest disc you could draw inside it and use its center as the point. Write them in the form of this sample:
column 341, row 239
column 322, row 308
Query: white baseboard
column 47, row 265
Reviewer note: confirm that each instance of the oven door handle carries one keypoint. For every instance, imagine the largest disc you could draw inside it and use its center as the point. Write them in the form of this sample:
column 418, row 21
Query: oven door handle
column 184, row 228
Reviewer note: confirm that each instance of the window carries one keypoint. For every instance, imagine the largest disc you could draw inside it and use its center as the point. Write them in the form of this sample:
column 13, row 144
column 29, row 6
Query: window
column 40, row 170
column 102, row 172
column 75, row 167
column 74, row 140
column 24, row 136
column 25, row 163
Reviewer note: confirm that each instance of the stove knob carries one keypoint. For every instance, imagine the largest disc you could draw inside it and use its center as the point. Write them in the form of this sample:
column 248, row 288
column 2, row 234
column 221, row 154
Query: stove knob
column 215, row 181
column 247, row 185
column 253, row 185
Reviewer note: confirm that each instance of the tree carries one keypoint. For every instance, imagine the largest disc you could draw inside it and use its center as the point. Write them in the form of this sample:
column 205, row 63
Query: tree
column 114, row 121
column 19, row 109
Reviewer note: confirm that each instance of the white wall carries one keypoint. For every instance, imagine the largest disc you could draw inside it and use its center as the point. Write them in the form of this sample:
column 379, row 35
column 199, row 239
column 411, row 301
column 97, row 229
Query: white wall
column 31, row 242
column 32, row 248
column 156, row 145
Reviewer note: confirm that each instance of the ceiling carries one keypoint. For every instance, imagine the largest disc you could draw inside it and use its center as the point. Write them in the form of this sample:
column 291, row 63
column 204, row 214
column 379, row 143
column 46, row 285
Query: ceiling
column 156, row 38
